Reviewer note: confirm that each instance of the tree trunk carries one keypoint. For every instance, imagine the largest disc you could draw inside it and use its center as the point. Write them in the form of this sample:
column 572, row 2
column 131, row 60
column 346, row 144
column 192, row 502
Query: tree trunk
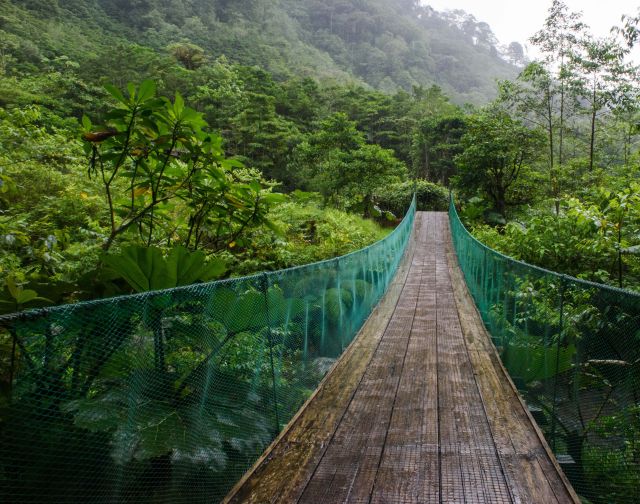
column 427, row 174
column 553, row 179
column 501, row 204
column 561, row 132
column 593, row 129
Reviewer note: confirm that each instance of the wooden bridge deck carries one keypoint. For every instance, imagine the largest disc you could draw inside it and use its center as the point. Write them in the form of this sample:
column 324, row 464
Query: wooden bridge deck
column 418, row 410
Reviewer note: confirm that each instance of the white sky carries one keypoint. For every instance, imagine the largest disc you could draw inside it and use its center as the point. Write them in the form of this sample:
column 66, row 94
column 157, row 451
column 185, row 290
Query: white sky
column 517, row 20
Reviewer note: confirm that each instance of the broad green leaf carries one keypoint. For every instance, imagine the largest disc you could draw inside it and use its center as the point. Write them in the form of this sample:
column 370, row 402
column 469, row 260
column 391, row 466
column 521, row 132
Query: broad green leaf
column 145, row 268
column 178, row 105
column 232, row 163
column 274, row 198
column 14, row 289
column 281, row 309
column 221, row 303
column 214, row 269
column 131, row 88
column 537, row 362
column 248, row 311
column 274, row 227
column 116, row 93
column 337, row 302
column 147, row 91
column 26, row 295
column 127, row 266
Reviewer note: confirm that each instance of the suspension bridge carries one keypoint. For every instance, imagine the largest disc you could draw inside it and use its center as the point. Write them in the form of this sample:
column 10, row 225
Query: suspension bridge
column 418, row 410
column 424, row 368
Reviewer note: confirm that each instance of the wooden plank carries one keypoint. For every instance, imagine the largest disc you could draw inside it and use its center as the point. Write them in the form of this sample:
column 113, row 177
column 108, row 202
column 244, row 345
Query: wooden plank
column 284, row 469
column 348, row 469
column 410, row 463
column 418, row 410
column 465, row 430
column 529, row 465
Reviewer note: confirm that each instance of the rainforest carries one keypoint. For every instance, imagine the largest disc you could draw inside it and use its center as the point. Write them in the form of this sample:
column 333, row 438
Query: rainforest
column 157, row 144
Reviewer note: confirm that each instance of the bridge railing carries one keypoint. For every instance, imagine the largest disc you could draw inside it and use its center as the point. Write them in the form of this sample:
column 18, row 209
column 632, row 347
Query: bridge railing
column 170, row 396
column 572, row 348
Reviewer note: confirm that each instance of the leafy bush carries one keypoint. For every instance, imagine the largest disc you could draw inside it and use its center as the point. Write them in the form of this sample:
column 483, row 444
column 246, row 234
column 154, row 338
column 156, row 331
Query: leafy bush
column 396, row 198
column 583, row 240
column 307, row 233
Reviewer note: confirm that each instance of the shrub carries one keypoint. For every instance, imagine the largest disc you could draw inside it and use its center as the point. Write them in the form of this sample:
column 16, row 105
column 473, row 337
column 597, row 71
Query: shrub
column 396, row 198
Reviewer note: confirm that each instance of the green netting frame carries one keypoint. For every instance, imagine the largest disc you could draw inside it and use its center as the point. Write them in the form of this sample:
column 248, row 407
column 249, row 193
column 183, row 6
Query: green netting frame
column 171, row 396
column 572, row 348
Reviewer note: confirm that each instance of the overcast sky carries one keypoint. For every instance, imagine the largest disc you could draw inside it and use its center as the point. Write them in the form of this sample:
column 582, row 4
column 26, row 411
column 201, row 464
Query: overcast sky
column 517, row 20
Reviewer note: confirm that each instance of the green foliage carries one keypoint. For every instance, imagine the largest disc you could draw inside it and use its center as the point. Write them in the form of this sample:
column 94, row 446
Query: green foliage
column 189, row 55
column 396, row 198
column 593, row 241
column 307, row 233
column 170, row 165
column 20, row 297
column 338, row 163
column 496, row 152
column 387, row 45
column 571, row 347
column 175, row 393
column 535, row 362
column 435, row 145
column 612, row 469
column 145, row 268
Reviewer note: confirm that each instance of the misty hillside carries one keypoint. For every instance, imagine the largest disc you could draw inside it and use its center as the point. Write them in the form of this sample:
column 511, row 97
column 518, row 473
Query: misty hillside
column 388, row 44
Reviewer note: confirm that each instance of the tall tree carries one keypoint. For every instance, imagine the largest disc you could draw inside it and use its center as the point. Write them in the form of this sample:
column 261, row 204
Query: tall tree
column 336, row 161
column 535, row 98
column 496, row 151
column 604, row 80
column 436, row 142
column 558, row 41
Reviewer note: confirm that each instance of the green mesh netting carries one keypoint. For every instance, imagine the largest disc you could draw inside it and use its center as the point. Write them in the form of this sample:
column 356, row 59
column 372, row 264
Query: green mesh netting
column 573, row 350
column 171, row 396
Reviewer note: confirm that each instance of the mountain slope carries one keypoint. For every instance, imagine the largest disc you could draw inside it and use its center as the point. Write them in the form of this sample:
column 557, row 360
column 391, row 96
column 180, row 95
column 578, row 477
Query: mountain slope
column 387, row 44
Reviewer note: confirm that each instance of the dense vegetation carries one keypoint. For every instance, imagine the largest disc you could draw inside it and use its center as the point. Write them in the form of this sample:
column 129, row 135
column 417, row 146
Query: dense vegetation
column 209, row 139
column 557, row 184
column 549, row 173
column 387, row 44
column 199, row 155
column 196, row 155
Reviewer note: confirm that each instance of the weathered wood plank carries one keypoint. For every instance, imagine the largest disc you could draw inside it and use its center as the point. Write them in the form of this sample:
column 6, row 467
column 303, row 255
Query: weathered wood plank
column 410, row 464
column 283, row 471
column 418, row 410
column 530, row 467
column 354, row 457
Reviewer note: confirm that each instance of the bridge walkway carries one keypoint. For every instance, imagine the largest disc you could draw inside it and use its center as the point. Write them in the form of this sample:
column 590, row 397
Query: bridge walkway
column 418, row 410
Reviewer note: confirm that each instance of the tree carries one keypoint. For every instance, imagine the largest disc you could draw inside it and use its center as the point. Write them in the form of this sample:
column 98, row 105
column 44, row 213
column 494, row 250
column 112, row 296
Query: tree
column 630, row 31
column 132, row 12
column 534, row 97
column 190, row 55
column 515, row 53
column 496, row 150
column 558, row 40
column 436, row 142
column 371, row 168
column 604, row 82
column 157, row 163
column 338, row 163
column 262, row 137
